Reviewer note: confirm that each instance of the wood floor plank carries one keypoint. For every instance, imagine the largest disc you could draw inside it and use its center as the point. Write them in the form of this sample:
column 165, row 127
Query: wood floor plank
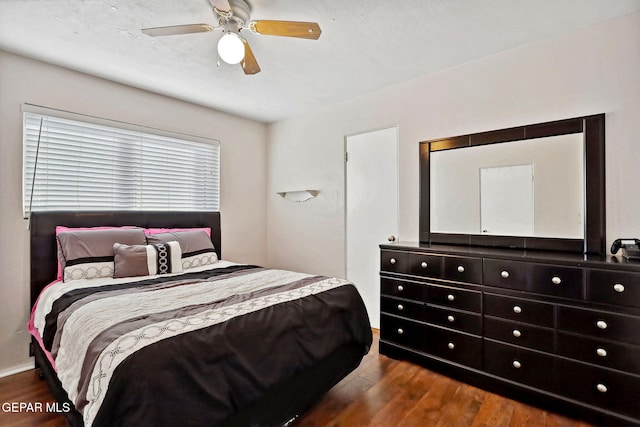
column 526, row 416
column 382, row 392
column 459, row 408
column 495, row 412
column 428, row 410
column 364, row 409
column 465, row 405
column 405, row 399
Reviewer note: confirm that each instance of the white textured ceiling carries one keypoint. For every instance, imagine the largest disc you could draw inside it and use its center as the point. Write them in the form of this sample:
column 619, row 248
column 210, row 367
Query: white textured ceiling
column 365, row 44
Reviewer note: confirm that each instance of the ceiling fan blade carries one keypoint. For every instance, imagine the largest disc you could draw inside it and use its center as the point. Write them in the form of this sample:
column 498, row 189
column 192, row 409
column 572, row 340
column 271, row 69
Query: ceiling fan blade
column 249, row 63
column 173, row 30
column 221, row 7
column 305, row 30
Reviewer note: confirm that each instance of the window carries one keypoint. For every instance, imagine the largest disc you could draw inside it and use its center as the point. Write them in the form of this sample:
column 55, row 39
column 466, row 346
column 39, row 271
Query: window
column 75, row 162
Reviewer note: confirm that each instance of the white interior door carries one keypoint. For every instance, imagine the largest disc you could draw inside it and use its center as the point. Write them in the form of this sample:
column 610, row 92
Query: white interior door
column 371, row 209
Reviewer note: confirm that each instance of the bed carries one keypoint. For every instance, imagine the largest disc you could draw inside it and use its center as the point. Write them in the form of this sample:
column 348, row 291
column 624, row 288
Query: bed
column 229, row 344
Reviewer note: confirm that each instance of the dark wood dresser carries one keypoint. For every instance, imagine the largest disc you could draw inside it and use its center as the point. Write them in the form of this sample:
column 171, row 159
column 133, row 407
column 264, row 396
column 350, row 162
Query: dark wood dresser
column 556, row 330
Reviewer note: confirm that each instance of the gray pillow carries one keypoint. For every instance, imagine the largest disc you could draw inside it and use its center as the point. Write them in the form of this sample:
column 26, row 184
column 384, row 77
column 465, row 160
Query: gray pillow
column 197, row 248
column 88, row 254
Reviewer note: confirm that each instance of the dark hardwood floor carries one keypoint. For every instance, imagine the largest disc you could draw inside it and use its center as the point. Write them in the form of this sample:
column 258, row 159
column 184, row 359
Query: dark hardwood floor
column 385, row 392
column 381, row 392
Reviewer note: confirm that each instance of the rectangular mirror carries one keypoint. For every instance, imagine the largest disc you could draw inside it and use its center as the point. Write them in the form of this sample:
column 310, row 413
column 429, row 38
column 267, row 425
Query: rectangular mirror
column 538, row 186
column 531, row 187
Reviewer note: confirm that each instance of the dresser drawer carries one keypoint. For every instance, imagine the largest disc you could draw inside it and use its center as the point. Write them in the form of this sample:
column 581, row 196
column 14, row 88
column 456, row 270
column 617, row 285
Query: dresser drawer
column 599, row 387
column 599, row 324
column 393, row 261
column 462, row 269
column 519, row 334
column 402, row 332
column 455, row 346
column 614, row 287
column 461, row 299
column 402, row 289
column 424, row 265
column 556, row 280
column 410, row 309
column 459, row 320
column 518, row 364
column 599, row 352
column 506, row 274
column 520, row 310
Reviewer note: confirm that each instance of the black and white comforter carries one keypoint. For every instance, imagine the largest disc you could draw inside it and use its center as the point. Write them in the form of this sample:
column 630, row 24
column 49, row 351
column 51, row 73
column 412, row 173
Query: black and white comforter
column 193, row 347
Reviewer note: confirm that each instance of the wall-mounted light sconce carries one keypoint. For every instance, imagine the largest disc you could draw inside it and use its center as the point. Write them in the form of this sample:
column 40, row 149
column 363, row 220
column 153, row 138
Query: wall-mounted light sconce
column 298, row 195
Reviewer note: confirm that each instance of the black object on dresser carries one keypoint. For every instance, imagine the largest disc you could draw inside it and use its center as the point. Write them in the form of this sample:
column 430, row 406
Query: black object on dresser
column 557, row 330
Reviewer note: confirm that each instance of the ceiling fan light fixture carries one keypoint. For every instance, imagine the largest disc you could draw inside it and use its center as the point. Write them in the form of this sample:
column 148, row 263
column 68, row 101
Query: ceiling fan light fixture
column 231, row 48
column 234, row 16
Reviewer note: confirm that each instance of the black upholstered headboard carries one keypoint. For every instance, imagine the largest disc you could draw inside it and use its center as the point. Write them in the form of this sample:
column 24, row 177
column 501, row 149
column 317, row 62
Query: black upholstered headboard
column 44, row 262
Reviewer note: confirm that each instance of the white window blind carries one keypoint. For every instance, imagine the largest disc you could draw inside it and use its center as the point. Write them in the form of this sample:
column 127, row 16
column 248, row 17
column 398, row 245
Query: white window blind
column 77, row 165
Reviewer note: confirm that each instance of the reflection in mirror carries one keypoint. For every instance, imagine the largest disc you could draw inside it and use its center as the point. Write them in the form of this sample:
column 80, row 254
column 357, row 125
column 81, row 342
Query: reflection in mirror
column 506, row 200
column 520, row 188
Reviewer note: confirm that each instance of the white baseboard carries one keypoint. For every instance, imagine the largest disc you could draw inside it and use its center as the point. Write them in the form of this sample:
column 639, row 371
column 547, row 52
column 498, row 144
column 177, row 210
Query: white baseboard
column 16, row 369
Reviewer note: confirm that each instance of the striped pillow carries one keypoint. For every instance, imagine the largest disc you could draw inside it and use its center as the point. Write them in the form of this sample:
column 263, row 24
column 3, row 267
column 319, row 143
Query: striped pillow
column 147, row 260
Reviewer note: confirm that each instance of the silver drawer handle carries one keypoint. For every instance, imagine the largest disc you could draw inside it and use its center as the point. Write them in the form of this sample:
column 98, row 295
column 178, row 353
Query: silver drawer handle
column 451, row 319
column 504, row 274
column 400, row 331
column 601, row 388
column 451, row 297
column 601, row 324
column 400, row 307
column 392, row 260
column 618, row 287
column 460, row 269
column 400, row 288
column 424, row 264
column 451, row 346
column 517, row 309
column 516, row 333
column 601, row 352
column 516, row 364
column 556, row 280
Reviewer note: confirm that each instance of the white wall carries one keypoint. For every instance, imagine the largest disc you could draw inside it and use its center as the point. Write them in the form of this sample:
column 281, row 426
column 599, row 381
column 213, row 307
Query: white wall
column 243, row 172
column 595, row 70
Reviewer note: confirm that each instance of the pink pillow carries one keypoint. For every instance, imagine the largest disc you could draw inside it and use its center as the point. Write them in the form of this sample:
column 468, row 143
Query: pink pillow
column 148, row 231
column 62, row 228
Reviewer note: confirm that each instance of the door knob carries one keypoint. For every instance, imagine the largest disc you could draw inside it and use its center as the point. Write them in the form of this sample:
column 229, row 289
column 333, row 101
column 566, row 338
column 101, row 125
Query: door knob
column 391, row 238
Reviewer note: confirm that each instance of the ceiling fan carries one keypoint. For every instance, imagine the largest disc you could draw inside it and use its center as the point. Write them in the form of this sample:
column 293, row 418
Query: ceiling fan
column 233, row 17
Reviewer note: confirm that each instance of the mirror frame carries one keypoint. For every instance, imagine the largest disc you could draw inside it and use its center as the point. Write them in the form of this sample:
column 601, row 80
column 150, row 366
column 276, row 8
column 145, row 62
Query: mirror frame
column 592, row 128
